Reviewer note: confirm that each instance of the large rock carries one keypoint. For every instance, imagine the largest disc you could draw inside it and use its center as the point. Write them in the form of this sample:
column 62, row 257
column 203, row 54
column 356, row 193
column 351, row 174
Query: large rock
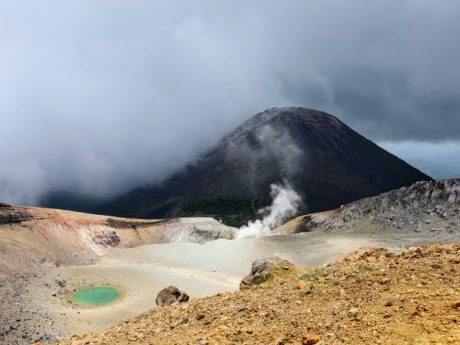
column 265, row 268
column 170, row 295
column 48, row 338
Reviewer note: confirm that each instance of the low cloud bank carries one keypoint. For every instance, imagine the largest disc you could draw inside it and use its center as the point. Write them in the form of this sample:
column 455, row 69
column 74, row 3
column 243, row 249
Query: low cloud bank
column 101, row 97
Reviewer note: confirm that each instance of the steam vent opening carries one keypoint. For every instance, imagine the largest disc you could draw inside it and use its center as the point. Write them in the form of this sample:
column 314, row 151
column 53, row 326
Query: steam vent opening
column 94, row 296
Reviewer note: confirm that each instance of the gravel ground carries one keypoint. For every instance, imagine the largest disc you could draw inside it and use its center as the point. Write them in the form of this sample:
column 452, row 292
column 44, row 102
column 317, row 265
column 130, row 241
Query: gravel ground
column 371, row 297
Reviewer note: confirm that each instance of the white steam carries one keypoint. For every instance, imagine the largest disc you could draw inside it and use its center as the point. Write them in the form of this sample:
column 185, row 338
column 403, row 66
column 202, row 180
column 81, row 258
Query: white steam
column 286, row 203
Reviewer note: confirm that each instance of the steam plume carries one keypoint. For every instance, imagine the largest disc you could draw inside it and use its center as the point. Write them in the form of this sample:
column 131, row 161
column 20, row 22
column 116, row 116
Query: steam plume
column 286, row 203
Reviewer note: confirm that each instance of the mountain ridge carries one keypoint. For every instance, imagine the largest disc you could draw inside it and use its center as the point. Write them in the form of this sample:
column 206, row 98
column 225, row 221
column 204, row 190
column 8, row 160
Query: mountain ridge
column 324, row 160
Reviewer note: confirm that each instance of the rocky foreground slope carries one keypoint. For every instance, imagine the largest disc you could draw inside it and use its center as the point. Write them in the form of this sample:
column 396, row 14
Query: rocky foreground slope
column 428, row 207
column 373, row 296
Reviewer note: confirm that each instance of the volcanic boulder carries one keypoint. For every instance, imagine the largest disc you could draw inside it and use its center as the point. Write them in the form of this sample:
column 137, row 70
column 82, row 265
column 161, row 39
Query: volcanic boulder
column 264, row 269
column 170, row 295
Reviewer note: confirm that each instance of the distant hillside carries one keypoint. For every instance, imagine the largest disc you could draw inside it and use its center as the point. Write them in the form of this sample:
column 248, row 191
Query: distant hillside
column 322, row 158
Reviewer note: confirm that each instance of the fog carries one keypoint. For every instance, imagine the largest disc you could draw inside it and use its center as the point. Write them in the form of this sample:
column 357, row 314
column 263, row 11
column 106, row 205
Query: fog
column 102, row 96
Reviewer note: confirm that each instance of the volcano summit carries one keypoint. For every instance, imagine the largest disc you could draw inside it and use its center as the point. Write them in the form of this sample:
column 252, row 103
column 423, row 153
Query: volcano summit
column 323, row 159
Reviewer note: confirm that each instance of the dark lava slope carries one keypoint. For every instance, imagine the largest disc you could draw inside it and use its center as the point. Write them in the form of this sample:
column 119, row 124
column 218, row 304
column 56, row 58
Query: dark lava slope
column 324, row 160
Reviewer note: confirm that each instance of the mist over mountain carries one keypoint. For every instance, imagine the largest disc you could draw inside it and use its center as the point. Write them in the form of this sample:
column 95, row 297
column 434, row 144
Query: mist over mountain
column 324, row 160
column 101, row 97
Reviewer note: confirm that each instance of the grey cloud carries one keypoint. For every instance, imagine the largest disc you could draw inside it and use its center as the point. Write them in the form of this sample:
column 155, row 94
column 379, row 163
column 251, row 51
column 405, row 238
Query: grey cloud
column 100, row 96
column 382, row 106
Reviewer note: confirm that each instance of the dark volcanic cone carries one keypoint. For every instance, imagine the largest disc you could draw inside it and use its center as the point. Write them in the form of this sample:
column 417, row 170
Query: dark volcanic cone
column 324, row 160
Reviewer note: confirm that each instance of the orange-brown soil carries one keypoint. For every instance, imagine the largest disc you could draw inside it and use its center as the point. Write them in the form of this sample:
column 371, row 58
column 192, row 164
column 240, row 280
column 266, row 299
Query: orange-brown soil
column 371, row 297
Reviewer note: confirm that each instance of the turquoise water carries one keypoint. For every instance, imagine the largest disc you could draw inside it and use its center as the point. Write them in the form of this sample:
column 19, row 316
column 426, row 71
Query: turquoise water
column 95, row 296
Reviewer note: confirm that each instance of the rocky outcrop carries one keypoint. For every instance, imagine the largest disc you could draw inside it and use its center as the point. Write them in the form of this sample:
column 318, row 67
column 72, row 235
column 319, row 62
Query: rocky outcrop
column 201, row 230
column 10, row 215
column 421, row 197
column 48, row 338
column 107, row 239
column 125, row 223
column 432, row 206
column 264, row 269
column 171, row 295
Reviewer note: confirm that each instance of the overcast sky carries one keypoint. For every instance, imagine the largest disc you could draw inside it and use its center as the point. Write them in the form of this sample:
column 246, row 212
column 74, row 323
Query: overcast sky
column 100, row 96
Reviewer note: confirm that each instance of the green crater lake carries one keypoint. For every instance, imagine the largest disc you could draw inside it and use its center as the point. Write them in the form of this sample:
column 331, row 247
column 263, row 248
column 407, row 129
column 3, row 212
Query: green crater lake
column 94, row 296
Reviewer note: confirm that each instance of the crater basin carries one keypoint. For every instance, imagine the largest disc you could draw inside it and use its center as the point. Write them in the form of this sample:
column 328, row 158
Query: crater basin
column 94, row 296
